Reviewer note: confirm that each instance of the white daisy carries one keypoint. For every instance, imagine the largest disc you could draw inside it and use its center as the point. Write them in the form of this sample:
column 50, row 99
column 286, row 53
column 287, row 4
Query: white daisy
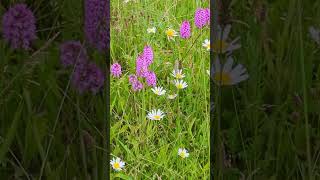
column 315, row 34
column 158, row 91
column 155, row 114
column 229, row 75
column 180, row 84
column 221, row 45
column 177, row 73
column 171, row 33
column 206, row 44
column 151, row 30
column 117, row 164
column 183, row 153
column 172, row 96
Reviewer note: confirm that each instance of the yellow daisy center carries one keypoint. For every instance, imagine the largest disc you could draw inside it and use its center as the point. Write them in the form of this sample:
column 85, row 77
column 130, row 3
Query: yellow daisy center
column 156, row 117
column 222, row 78
column 219, row 46
column 178, row 76
column 157, row 92
column 208, row 46
column 116, row 165
column 170, row 32
column 183, row 155
column 179, row 86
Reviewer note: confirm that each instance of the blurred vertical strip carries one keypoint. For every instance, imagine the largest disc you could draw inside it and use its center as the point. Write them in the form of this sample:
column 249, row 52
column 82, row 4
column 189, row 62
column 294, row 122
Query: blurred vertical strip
column 213, row 35
column 106, row 142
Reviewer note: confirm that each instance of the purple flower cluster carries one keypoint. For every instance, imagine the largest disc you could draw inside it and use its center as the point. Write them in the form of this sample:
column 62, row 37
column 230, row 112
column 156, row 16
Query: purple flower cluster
column 141, row 66
column 96, row 23
column 72, row 52
column 88, row 77
column 136, row 84
column 185, row 30
column 148, row 54
column 143, row 62
column 19, row 26
column 151, row 78
column 116, row 70
column 202, row 17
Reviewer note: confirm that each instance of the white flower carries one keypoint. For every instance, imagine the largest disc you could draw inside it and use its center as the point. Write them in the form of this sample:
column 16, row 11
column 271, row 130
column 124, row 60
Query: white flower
column 158, row 91
column 155, row 114
column 208, row 72
column 183, row 153
column 171, row 34
column 117, row 164
column 151, row 30
column 221, row 45
column 172, row 96
column 206, row 44
column 228, row 75
column 177, row 73
column 180, row 84
column 315, row 34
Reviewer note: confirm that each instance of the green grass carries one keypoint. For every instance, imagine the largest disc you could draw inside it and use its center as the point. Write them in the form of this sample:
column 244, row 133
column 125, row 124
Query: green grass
column 269, row 126
column 48, row 130
column 150, row 147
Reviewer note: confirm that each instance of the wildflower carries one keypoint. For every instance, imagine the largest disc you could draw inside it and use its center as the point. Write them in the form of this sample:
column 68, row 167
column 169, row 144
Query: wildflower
column 221, row 45
column 315, row 34
column 72, row 52
column 155, row 114
column 228, row 75
column 158, row 91
column 183, row 153
column 207, row 15
column 87, row 77
column 201, row 17
column 148, row 55
column 185, row 30
column 208, row 72
column 117, row 164
column 151, row 79
column 177, row 73
column 141, row 66
column 171, row 34
column 96, row 23
column 151, row 30
column 19, row 27
column 172, row 96
column 180, row 84
column 206, row 44
column 116, row 70
column 135, row 83
column 132, row 78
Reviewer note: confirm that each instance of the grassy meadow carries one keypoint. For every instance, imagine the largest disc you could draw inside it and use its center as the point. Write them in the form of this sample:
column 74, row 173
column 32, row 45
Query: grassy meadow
column 48, row 130
column 268, row 126
column 150, row 148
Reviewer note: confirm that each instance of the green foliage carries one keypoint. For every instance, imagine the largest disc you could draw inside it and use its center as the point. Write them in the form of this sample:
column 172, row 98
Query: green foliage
column 47, row 129
column 263, row 120
column 150, row 148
